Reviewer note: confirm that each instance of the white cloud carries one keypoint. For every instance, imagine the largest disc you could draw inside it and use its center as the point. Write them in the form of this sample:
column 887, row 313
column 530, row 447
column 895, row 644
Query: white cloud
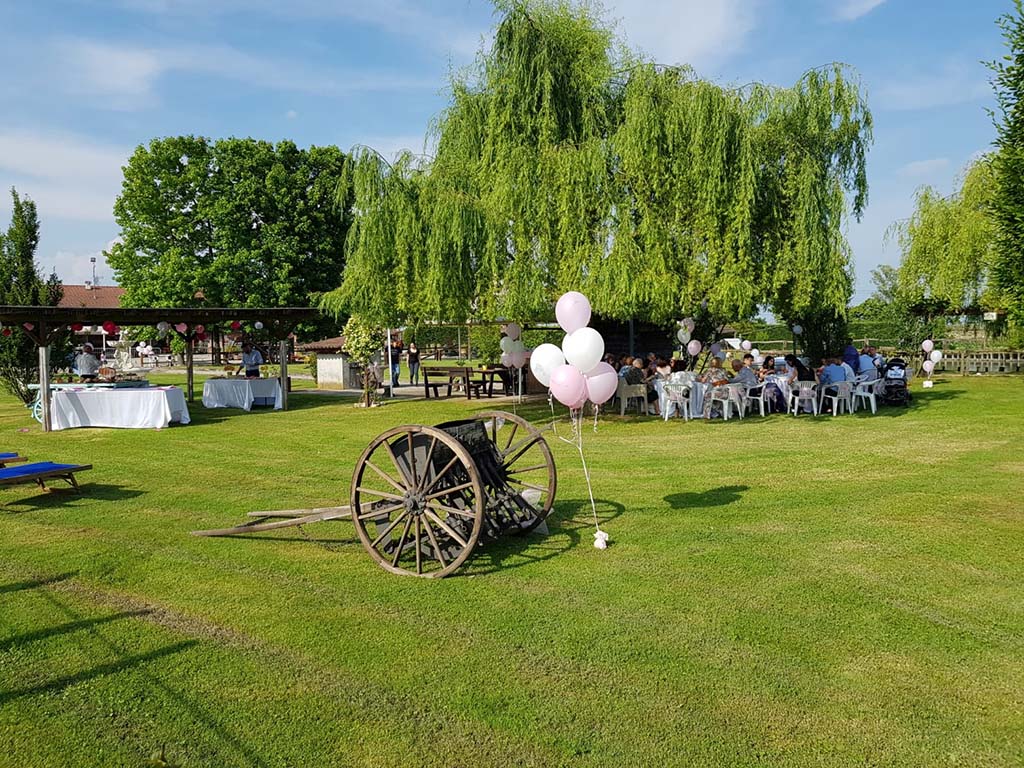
column 955, row 83
column 126, row 77
column 74, row 267
column 695, row 32
column 417, row 21
column 68, row 177
column 923, row 168
column 849, row 10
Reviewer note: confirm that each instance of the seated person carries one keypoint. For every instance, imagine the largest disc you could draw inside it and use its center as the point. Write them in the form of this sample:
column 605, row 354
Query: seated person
column 742, row 374
column 86, row 364
column 851, row 375
column 797, row 370
column 748, row 360
column 866, row 365
column 832, row 372
column 767, row 367
column 624, row 365
column 662, row 369
column 718, row 380
column 635, row 375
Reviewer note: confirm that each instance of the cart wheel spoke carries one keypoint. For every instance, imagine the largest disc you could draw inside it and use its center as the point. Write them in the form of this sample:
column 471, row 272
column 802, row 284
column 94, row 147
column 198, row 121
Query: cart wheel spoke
column 390, row 480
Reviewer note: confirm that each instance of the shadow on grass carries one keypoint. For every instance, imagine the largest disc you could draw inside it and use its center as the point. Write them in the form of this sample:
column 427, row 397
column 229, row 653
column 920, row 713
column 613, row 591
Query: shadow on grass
column 64, row 629
column 922, row 399
column 100, row 670
column 36, row 583
column 568, row 521
column 713, row 497
column 61, row 496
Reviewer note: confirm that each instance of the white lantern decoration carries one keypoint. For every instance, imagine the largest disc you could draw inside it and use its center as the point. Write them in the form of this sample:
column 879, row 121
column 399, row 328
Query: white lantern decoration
column 258, row 325
column 798, row 329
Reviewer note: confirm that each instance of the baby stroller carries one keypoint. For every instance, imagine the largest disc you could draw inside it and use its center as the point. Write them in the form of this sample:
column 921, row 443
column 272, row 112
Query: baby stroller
column 895, row 377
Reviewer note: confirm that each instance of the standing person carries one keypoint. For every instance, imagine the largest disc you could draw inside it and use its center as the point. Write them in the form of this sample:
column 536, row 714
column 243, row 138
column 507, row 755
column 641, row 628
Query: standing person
column 396, row 359
column 850, row 355
column 251, row 361
column 414, row 363
column 86, row 364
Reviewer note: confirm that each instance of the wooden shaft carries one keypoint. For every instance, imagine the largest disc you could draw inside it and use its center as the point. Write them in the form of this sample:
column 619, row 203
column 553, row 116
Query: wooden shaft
column 44, row 386
column 283, row 357
column 189, row 366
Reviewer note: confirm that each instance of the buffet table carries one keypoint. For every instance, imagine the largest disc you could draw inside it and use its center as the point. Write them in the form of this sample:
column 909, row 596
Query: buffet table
column 241, row 393
column 124, row 408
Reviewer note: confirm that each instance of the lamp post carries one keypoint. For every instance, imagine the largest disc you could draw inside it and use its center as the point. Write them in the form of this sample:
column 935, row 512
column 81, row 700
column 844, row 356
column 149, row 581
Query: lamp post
column 92, row 259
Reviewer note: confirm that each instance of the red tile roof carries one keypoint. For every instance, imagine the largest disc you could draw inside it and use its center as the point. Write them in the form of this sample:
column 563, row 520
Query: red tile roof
column 325, row 345
column 100, row 297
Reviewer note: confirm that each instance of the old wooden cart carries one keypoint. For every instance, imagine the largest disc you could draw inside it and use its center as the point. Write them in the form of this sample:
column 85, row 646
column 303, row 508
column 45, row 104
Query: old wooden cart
column 423, row 498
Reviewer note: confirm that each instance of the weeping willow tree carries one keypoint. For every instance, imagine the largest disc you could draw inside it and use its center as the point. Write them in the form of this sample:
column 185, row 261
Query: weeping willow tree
column 565, row 162
column 948, row 246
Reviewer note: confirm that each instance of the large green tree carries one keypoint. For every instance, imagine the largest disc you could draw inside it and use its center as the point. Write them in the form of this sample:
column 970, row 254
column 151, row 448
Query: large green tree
column 237, row 222
column 947, row 245
column 1008, row 197
column 21, row 284
column 566, row 162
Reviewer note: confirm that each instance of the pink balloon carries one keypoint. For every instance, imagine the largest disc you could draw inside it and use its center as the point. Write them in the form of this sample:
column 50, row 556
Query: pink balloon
column 506, row 359
column 694, row 348
column 513, row 331
column 602, row 381
column 928, row 366
column 927, row 345
column 181, row 327
column 568, row 385
column 578, row 404
column 690, row 324
column 572, row 311
column 517, row 359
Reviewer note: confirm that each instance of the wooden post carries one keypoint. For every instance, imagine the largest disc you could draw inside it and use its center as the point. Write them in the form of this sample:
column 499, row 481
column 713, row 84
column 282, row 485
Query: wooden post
column 44, row 386
column 282, row 355
column 188, row 365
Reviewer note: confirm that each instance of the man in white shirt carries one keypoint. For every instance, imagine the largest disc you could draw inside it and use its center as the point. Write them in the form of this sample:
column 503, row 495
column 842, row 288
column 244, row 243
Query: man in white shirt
column 86, row 364
column 251, row 361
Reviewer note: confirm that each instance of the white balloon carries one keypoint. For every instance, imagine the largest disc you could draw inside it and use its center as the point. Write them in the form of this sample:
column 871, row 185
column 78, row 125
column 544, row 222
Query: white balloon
column 258, row 325
column 583, row 348
column 747, row 346
column 544, row 360
column 755, row 352
column 516, row 346
column 935, row 356
column 683, row 335
column 506, row 343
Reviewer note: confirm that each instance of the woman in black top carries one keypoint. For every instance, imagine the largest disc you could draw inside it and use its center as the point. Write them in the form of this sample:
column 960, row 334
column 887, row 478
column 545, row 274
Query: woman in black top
column 414, row 364
column 803, row 373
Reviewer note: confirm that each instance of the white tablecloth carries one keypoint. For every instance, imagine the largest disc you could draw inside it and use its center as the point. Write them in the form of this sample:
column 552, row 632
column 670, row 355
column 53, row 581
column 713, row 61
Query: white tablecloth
column 240, row 393
column 129, row 408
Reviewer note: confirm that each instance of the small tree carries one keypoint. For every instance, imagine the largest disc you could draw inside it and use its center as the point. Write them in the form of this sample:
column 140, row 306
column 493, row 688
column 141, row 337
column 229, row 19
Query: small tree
column 20, row 284
column 363, row 340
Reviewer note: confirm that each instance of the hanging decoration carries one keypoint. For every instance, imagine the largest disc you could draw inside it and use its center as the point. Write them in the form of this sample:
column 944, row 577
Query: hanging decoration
column 258, row 325
column 235, row 325
column 77, row 327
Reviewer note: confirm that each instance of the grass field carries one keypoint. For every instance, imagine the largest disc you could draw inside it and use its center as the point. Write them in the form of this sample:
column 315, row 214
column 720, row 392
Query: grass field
column 778, row 592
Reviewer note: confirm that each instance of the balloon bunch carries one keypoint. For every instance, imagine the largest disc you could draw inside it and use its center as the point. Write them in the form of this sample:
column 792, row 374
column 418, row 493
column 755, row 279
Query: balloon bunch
column 575, row 374
column 933, row 357
column 513, row 351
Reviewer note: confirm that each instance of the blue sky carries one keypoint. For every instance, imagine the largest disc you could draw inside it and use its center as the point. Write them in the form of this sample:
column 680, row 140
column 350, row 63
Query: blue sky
column 88, row 80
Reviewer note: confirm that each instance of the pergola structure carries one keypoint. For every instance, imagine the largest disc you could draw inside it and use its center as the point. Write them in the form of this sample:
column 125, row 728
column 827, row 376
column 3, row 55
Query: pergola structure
column 42, row 324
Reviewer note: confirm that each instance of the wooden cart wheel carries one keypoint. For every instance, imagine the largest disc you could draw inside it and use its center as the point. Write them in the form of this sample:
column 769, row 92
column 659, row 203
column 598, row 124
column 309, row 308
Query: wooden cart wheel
column 526, row 465
column 417, row 501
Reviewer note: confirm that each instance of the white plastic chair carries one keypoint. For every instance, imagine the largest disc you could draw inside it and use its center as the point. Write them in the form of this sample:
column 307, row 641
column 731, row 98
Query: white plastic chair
column 627, row 392
column 677, row 398
column 841, row 394
column 865, row 395
column 723, row 394
column 803, row 392
column 755, row 394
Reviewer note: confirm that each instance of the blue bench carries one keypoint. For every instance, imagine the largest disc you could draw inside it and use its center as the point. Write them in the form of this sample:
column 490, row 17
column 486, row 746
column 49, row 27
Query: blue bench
column 40, row 471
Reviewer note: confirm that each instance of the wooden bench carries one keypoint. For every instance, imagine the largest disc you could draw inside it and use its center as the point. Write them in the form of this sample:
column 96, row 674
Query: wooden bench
column 446, row 377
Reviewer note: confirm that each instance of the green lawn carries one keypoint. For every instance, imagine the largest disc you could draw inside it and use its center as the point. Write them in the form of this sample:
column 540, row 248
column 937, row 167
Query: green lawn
column 778, row 592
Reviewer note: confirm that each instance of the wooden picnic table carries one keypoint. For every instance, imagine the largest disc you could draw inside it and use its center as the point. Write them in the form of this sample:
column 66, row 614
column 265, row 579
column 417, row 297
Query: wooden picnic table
column 502, row 374
column 445, row 376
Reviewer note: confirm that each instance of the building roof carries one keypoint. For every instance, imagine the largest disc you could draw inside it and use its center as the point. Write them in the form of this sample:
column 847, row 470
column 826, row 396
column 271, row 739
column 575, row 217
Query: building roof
column 324, row 345
column 98, row 297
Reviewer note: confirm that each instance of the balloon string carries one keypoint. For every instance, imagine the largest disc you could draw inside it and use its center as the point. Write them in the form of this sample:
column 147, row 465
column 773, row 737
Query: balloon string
column 576, row 418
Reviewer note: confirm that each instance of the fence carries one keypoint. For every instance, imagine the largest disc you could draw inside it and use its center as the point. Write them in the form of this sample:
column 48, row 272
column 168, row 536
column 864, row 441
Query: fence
column 966, row 362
